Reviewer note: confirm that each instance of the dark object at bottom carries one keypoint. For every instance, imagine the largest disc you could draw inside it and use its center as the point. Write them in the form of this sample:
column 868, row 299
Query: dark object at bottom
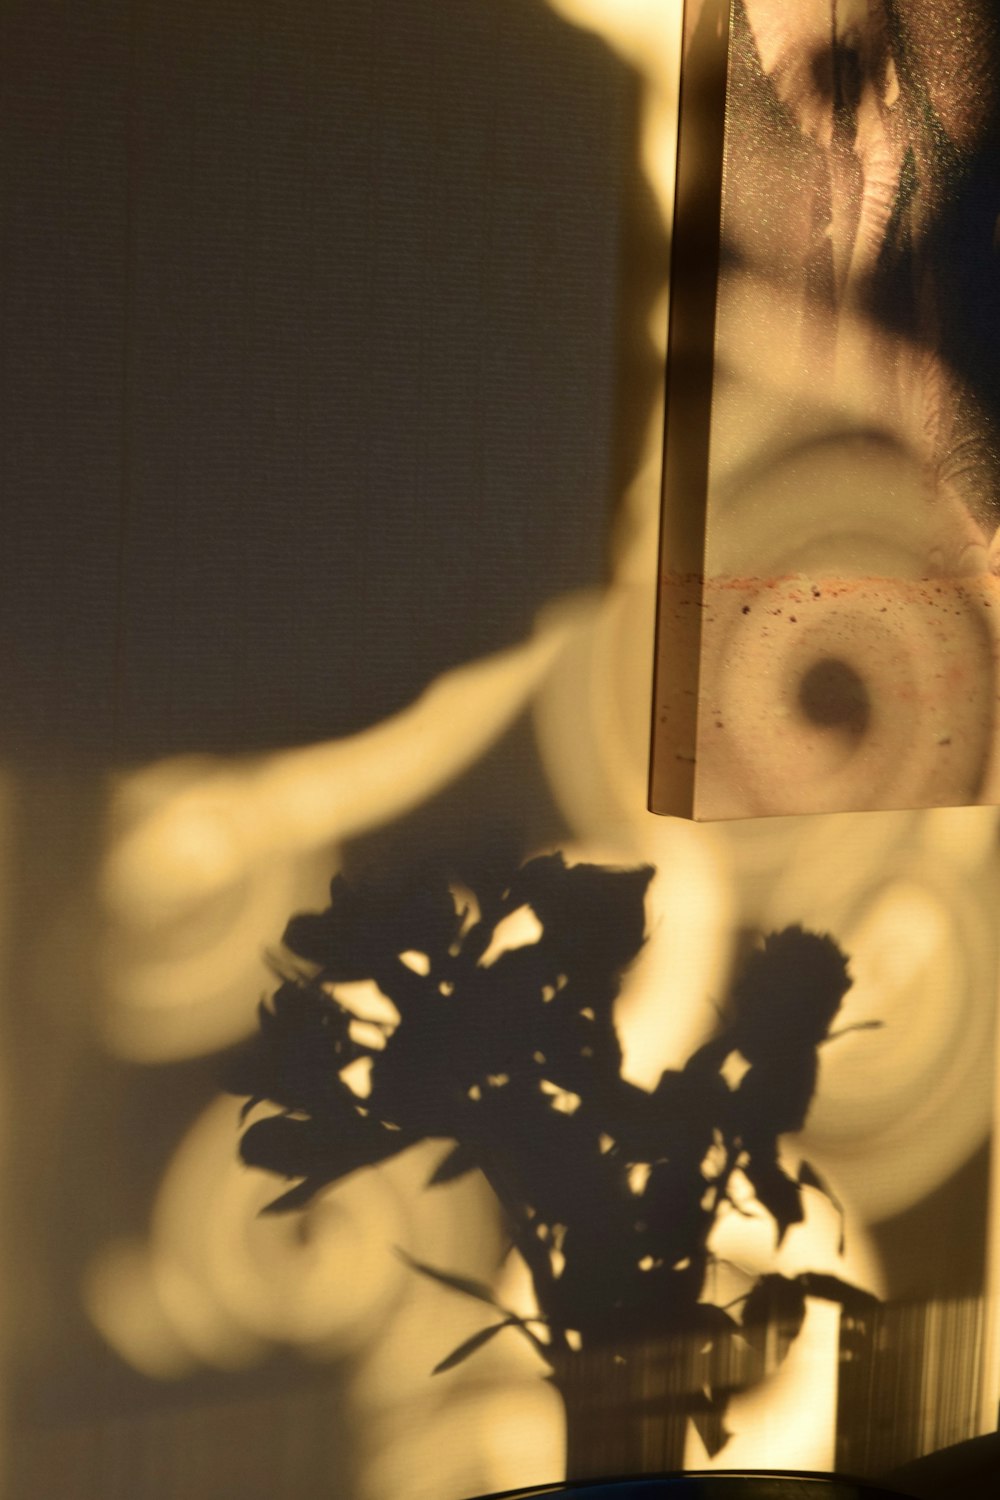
column 715, row 1486
column 966, row 1471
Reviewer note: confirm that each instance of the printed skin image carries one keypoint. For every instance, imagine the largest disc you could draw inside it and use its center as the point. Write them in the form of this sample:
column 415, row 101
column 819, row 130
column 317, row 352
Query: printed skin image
column 845, row 599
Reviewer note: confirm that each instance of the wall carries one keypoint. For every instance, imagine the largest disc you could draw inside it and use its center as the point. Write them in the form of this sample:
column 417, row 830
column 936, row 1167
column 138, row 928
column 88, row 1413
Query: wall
column 332, row 380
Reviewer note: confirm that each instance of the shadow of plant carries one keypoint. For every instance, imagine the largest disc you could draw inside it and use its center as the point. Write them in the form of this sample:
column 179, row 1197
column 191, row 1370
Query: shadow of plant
column 417, row 1010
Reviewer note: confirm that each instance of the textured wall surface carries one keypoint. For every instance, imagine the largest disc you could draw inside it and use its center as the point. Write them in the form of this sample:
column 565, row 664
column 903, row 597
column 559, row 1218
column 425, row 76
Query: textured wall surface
column 332, row 363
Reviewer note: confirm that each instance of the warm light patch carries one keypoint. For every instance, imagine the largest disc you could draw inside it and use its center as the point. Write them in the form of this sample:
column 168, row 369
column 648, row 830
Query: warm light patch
column 120, row 1297
column 367, row 1034
column 734, row 1069
column 418, row 963
column 715, row 1159
column 358, row 1076
column 638, row 1176
column 365, row 1000
column 520, row 929
column 467, row 905
column 563, row 1101
column 482, row 1439
column 647, row 35
column 220, row 1289
column 686, row 954
column 208, row 856
column 789, row 1420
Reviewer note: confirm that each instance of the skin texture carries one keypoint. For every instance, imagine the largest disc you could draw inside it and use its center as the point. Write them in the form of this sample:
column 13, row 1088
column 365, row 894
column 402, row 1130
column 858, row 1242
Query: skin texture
column 855, row 401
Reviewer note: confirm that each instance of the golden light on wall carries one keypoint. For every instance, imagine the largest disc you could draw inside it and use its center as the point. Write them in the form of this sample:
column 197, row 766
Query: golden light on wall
column 206, row 855
column 189, row 1302
column 912, row 894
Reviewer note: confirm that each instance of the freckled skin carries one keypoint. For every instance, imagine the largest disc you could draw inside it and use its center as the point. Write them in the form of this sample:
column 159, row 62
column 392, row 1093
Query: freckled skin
column 858, row 213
